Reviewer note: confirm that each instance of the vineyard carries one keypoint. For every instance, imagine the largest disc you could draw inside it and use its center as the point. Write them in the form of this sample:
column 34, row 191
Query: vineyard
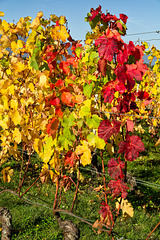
column 79, row 131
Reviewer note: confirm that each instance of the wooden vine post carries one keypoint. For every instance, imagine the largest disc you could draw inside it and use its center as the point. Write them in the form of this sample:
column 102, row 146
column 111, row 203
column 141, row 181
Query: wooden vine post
column 6, row 220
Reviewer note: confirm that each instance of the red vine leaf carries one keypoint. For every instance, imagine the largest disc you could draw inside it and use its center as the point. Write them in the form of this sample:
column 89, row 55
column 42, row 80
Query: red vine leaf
column 107, row 17
column 123, row 17
column 105, row 211
column 106, row 129
column 65, row 67
column 107, row 47
column 70, row 158
column 102, row 63
column 133, row 72
column 59, row 112
column 52, row 127
column 67, row 98
column 117, row 187
column 108, row 94
column 59, row 83
column 55, row 101
column 115, row 168
column 131, row 147
column 143, row 95
column 130, row 125
column 94, row 12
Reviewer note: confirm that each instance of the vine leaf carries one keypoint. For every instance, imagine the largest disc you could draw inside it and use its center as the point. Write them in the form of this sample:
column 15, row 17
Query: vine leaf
column 117, row 187
column 131, row 147
column 52, row 127
column 130, row 125
column 7, row 174
column 85, row 153
column 106, row 129
column 126, row 207
column 102, row 64
column 70, row 158
column 17, row 135
column 105, row 211
column 1, row 14
column 115, row 168
column 123, row 17
column 66, row 98
column 107, row 47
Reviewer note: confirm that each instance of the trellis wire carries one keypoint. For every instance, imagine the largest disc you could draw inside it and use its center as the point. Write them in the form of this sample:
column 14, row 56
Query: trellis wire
column 139, row 181
column 146, row 183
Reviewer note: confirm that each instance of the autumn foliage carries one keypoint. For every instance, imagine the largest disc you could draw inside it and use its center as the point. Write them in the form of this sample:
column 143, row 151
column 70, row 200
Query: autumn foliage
column 64, row 100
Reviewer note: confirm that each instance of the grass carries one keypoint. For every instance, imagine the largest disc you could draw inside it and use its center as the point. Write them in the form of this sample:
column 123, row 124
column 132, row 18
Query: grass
column 33, row 219
column 37, row 221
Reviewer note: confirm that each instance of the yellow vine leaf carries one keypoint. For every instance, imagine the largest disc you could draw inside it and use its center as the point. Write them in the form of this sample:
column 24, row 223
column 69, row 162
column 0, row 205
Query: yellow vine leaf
column 8, row 71
column 53, row 176
column 40, row 14
column 5, row 26
column 154, row 122
column 54, row 162
column 89, row 41
column 85, row 153
column 7, row 174
column 43, row 80
column 37, row 145
column 31, row 41
column 19, row 67
column 17, row 135
column 16, row 118
column 81, row 177
column 62, row 20
column 17, row 45
column 59, row 33
column 5, row 102
column 29, row 101
column 47, row 149
column 11, row 89
column 116, row 94
column 91, row 139
column 31, row 87
column 86, row 57
column 5, row 41
column 100, row 143
column 13, row 46
column 3, row 125
column 126, row 207
column 95, row 141
column 35, row 24
column 1, row 14
column 14, row 104
column 86, row 109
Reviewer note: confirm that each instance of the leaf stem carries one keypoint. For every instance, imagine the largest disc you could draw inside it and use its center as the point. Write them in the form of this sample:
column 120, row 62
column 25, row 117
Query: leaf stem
column 76, row 192
column 104, row 178
column 56, row 195
column 153, row 231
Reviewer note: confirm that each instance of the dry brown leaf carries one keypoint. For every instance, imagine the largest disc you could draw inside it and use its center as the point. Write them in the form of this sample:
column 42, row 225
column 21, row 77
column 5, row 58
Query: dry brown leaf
column 97, row 224
column 97, row 189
